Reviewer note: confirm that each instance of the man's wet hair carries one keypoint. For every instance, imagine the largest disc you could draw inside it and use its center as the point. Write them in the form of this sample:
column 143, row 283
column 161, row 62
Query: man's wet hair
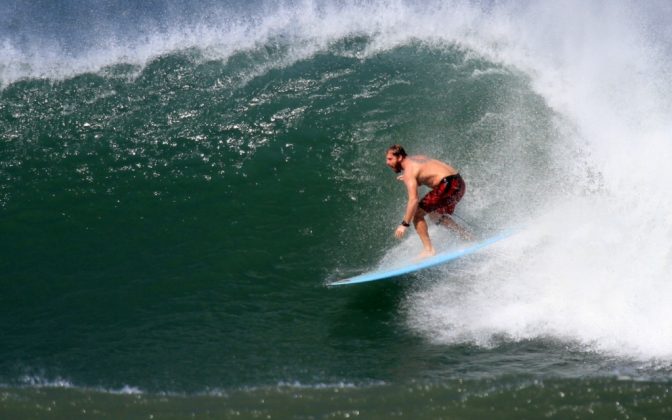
column 397, row 150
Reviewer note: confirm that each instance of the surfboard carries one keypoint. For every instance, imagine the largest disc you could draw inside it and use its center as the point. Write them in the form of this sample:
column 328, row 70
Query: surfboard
column 438, row 259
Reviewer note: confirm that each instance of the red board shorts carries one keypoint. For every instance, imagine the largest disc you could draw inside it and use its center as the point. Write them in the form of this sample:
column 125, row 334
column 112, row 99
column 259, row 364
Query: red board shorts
column 445, row 196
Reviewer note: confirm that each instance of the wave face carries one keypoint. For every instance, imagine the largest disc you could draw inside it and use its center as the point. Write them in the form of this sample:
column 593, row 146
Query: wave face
column 178, row 181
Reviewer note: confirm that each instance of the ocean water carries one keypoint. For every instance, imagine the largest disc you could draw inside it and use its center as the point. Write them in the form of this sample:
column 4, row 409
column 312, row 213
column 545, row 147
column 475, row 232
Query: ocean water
column 180, row 180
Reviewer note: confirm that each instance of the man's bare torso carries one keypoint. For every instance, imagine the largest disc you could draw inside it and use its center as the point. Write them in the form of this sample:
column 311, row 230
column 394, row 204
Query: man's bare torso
column 428, row 171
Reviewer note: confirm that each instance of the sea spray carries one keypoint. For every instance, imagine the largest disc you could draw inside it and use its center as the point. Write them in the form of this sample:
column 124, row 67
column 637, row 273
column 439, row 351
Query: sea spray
column 594, row 269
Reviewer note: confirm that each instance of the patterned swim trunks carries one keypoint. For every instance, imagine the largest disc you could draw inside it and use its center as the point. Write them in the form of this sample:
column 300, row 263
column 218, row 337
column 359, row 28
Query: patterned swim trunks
column 445, row 196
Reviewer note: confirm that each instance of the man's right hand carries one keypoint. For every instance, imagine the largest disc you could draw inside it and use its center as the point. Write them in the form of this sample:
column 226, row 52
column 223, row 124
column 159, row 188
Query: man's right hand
column 401, row 230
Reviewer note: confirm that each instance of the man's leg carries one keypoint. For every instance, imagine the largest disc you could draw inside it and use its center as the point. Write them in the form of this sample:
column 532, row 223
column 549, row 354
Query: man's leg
column 423, row 232
column 447, row 221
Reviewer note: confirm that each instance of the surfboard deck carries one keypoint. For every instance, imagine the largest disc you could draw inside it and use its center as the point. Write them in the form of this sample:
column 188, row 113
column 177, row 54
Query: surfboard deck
column 437, row 259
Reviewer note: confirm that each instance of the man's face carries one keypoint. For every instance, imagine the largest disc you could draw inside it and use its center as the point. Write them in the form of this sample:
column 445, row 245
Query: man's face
column 394, row 162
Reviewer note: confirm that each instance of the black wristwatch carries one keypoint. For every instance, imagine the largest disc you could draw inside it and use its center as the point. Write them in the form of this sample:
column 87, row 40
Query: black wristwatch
column 405, row 224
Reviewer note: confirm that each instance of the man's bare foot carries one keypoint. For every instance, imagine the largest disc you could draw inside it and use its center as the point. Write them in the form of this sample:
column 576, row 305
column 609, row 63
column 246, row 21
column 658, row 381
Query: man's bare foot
column 425, row 254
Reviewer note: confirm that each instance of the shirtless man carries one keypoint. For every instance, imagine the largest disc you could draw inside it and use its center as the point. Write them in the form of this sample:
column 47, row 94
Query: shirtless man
column 447, row 189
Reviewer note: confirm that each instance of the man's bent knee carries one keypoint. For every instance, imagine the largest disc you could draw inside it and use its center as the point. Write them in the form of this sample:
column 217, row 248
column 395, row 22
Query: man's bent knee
column 419, row 215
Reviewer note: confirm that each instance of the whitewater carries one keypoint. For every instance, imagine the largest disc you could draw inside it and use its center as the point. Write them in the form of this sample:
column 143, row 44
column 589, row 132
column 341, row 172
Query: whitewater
column 594, row 268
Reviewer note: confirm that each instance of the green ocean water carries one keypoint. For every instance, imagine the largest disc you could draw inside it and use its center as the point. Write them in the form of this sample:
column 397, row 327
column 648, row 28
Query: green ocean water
column 168, row 230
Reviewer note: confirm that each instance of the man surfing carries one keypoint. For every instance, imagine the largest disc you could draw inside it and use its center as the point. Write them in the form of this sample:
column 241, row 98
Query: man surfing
column 447, row 189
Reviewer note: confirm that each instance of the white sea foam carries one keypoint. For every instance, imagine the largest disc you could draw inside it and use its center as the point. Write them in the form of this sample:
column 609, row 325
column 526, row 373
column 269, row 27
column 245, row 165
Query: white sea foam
column 39, row 381
column 595, row 268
